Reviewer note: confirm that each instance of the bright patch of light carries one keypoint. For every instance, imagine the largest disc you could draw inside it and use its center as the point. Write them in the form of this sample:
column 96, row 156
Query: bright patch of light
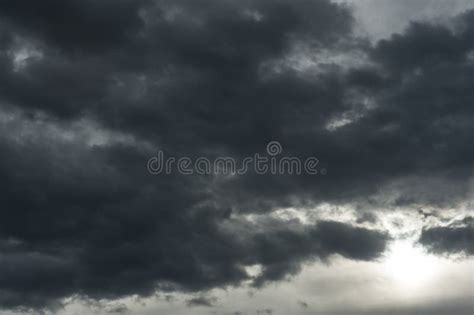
column 290, row 214
column 410, row 267
column 23, row 55
column 337, row 123
column 254, row 271
column 253, row 15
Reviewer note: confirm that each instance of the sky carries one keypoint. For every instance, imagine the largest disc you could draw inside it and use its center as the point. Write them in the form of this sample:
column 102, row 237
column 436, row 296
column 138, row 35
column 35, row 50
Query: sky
column 125, row 127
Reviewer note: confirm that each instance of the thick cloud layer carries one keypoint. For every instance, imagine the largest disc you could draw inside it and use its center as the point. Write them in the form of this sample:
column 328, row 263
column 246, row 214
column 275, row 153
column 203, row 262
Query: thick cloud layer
column 455, row 238
column 90, row 90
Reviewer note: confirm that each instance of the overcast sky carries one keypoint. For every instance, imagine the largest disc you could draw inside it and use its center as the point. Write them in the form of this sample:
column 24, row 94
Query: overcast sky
column 378, row 92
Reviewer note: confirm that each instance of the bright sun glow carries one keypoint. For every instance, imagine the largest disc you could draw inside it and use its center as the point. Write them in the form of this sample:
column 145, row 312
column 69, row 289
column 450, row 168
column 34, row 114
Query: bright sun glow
column 409, row 266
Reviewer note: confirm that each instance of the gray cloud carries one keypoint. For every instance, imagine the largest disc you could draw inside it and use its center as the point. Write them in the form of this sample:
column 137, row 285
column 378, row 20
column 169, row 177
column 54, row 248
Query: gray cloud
column 213, row 78
column 201, row 301
column 456, row 237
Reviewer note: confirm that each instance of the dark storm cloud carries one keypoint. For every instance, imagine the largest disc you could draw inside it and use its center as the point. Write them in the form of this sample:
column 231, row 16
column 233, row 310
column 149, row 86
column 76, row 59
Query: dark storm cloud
column 87, row 221
column 282, row 247
column 455, row 238
column 101, row 228
column 75, row 24
column 211, row 77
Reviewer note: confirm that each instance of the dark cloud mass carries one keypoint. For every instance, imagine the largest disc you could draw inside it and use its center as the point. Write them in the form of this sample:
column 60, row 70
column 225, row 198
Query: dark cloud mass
column 455, row 238
column 75, row 25
column 90, row 90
